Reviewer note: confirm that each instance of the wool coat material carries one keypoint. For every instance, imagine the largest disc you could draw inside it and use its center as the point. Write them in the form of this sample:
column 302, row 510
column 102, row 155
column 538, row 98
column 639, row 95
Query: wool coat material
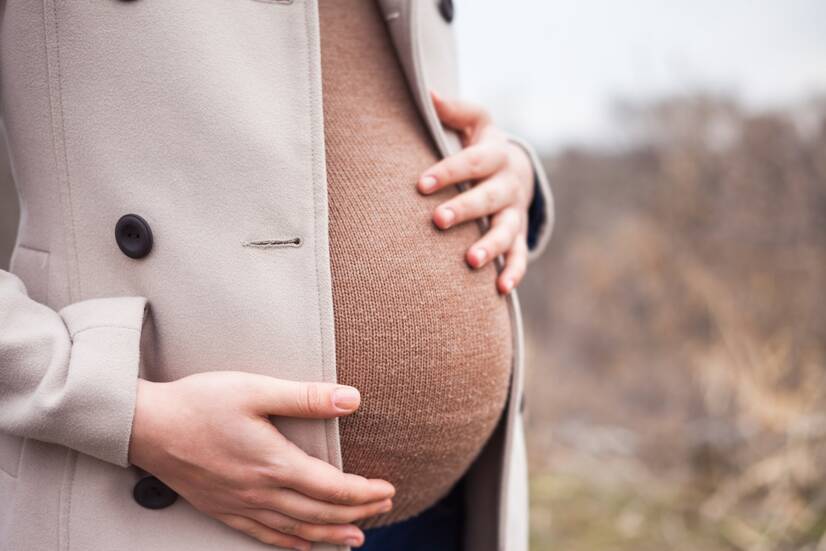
column 204, row 117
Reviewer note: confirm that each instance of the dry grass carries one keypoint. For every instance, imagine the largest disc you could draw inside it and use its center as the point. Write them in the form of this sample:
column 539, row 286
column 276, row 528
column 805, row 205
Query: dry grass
column 678, row 336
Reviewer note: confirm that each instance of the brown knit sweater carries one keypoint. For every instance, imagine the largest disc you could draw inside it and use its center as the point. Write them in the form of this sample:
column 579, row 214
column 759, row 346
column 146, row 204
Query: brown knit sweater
column 426, row 339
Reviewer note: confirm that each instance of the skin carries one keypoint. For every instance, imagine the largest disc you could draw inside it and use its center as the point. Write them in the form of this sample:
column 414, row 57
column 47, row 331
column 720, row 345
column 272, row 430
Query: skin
column 502, row 177
column 209, row 436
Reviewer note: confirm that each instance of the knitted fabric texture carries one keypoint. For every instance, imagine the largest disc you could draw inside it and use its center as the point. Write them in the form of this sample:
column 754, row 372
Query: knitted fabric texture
column 426, row 339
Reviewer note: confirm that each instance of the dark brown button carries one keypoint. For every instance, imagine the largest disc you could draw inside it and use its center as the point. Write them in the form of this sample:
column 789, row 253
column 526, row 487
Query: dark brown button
column 151, row 493
column 133, row 235
column 446, row 9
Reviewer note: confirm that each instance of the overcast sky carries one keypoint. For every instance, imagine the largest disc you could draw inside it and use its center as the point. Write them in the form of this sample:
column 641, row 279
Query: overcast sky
column 550, row 69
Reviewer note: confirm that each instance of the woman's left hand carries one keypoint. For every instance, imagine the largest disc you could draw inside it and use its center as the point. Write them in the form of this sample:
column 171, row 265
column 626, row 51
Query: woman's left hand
column 502, row 177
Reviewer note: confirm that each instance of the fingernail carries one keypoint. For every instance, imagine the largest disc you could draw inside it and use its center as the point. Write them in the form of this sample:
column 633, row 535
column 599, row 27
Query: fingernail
column 345, row 397
column 508, row 285
column 479, row 256
column 427, row 183
column 387, row 506
column 353, row 542
column 448, row 216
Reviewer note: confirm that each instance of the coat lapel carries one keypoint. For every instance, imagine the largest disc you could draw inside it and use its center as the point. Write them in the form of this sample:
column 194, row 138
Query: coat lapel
column 425, row 46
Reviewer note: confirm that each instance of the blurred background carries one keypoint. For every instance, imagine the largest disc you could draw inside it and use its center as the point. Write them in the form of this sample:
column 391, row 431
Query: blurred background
column 677, row 323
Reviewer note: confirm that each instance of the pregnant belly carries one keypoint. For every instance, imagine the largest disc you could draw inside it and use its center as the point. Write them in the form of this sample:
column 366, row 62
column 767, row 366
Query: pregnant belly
column 427, row 341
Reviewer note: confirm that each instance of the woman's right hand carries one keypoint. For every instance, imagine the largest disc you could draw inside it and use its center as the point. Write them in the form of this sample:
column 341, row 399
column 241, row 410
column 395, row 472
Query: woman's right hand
column 208, row 437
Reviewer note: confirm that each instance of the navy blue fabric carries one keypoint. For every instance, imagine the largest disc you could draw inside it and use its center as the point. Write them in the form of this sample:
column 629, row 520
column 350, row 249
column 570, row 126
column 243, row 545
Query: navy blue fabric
column 536, row 215
column 437, row 529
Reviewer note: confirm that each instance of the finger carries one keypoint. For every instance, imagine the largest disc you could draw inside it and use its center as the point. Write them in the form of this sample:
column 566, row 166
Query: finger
column 471, row 163
column 504, row 229
column 265, row 534
column 271, row 396
column 302, row 507
column 516, row 262
column 488, row 197
column 341, row 534
column 459, row 114
column 316, row 478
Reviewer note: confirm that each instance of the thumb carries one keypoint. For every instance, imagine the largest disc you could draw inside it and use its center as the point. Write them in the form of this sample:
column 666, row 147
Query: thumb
column 302, row 399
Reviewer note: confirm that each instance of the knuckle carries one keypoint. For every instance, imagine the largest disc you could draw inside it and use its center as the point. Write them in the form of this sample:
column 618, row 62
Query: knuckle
column 261, row 535
column 451, row 170
column 342, row 495
column 274, row 473
column 513, row 219
column 246, row 480
column 499, row 247
column 336, row 516
column 253, row 498
column 275, row 539
column 475, row 163
column 307, row 531
column 290, row 527
column 277, row 475
column 502, row 241
column 491, row 197
column 324, row 516
column 499, row 155
column 263, row 538
column 311, row 398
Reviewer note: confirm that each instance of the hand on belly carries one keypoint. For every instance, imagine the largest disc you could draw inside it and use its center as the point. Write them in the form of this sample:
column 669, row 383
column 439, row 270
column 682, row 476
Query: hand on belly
column 208, row 437
column 503, row 190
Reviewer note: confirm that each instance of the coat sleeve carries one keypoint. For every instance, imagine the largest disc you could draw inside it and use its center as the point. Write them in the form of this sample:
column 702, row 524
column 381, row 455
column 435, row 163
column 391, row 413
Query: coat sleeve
column 70, row 377
column 541, row 209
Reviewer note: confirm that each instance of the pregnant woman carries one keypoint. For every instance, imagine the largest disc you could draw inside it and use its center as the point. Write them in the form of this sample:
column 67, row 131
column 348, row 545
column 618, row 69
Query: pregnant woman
column 262, row 292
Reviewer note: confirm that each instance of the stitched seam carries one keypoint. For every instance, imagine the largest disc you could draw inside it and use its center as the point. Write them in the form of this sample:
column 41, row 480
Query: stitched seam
column 65, row 154
column 71, row 467
column 59, row 145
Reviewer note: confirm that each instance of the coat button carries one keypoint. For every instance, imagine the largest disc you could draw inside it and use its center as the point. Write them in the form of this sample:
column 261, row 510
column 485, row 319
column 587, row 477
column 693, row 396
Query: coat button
column 133, row 236
column 446, row 9
column 151, row 493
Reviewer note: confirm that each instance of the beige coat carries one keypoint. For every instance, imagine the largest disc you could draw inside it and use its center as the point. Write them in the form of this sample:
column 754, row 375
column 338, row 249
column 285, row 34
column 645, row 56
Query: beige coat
column 204, row 117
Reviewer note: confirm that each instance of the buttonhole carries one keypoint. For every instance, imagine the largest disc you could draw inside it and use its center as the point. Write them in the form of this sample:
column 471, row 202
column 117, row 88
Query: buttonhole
column 272, row 243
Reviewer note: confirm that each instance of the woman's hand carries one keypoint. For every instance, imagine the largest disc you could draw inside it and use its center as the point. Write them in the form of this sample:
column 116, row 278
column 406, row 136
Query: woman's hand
column 503, row 189
column 209, row 437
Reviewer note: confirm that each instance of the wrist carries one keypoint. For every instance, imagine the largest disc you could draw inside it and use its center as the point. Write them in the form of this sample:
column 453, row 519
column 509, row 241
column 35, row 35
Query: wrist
column 144, row 432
